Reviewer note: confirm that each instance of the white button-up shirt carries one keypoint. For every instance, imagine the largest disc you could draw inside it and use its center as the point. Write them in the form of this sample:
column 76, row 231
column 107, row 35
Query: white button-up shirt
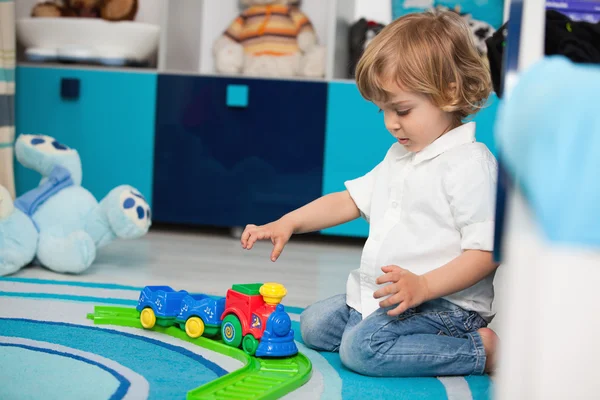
column 424, row 210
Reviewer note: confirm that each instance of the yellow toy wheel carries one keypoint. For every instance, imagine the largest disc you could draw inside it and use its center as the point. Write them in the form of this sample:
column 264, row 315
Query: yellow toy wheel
column 147, row 318
column 272, row 292
column 194, row 327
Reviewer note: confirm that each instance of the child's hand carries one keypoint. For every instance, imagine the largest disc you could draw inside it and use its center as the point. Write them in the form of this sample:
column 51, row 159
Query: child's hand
column 408, row 289
column 279, row 232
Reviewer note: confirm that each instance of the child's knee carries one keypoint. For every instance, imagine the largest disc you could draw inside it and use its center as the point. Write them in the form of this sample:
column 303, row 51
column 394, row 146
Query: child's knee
column 357, row 355
column 309, row 327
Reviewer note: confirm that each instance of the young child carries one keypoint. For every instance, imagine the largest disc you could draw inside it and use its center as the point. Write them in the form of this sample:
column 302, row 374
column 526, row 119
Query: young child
column 421, row 300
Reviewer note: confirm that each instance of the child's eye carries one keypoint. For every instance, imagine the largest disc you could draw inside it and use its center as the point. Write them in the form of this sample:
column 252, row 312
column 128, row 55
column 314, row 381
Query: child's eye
column 402, row 113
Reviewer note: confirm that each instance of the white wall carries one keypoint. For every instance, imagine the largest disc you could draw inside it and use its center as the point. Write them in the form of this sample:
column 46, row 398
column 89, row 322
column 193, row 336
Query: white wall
column 376, row 10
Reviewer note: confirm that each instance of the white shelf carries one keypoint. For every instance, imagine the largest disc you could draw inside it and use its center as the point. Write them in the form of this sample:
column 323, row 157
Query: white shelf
column 90, row 67
column 189, row 28
column 149, row 12
column 193, row 26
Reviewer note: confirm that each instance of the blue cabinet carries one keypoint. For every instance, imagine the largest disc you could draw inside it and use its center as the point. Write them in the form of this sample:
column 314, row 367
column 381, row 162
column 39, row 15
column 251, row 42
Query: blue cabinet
column 234, row 151
column 209, row 150
column 356, row 141
column 107, row 116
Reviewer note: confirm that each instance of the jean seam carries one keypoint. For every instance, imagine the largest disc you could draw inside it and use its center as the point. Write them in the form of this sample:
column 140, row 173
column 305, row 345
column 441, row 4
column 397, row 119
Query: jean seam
column 449, row 324
column 480, row 356
column 402, row 318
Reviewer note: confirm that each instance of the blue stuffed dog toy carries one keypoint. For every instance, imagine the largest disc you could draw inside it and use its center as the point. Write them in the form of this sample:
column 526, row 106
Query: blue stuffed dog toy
column 60, row 224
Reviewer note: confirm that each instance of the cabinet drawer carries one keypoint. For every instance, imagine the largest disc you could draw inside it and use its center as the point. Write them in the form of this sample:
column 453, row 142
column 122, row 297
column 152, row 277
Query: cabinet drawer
column 110, row 122
column 233, row 151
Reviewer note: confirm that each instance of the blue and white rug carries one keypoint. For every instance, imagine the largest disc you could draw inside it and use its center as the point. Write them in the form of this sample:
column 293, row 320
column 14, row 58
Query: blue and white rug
column 49, row 349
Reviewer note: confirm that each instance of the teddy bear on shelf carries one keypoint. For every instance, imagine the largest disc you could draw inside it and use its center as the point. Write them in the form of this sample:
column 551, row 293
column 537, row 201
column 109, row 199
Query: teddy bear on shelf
column 60, row 224
column 270, row 38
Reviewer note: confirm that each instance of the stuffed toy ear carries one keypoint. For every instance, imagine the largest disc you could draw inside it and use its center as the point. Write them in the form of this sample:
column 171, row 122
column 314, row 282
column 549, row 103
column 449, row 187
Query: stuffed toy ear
column 119, row 10
column 50, row 9
column 41, row 153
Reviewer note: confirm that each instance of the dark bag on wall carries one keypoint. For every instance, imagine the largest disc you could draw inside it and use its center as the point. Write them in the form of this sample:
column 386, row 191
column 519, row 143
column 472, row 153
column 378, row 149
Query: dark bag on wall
column 577, row 40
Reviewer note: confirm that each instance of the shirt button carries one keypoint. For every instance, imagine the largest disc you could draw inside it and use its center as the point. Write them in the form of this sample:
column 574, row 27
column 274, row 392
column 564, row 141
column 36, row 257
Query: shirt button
column 394, row 204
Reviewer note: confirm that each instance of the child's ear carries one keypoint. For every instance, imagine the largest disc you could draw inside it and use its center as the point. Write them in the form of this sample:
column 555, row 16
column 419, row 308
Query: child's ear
column 452, row 94
column 452, row 89
column 451, row 98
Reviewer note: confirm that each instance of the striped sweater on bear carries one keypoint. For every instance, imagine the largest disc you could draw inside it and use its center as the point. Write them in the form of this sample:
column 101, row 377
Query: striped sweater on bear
column 271, row 30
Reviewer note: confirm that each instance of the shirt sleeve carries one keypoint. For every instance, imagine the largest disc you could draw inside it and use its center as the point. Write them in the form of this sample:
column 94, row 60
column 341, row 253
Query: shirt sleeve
column 471, row 192
column 361, row 191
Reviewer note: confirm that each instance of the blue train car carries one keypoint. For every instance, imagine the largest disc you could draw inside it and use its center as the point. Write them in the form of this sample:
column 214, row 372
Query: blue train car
column 201, row 315
column 159, row 305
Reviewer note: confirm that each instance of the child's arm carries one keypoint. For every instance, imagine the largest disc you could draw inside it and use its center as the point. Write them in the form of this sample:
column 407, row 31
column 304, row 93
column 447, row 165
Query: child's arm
column 462, row 272
column 409, row 290
column 329, row 210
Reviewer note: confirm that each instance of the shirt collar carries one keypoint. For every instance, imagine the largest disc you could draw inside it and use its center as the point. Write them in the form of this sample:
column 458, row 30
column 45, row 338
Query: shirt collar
column 458, row 136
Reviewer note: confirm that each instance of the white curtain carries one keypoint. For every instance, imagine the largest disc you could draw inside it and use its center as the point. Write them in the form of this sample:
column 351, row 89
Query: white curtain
column 7, row 94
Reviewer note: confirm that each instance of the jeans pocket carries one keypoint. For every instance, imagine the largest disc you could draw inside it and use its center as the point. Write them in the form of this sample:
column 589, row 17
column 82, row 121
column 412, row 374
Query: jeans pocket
column 473, row 321
column 461, row 322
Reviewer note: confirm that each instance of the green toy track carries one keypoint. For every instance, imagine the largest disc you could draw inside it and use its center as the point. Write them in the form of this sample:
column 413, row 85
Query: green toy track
column 259, row 378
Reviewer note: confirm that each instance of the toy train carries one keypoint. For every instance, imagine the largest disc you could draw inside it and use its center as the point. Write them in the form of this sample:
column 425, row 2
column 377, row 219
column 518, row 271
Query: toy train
column 250, row 316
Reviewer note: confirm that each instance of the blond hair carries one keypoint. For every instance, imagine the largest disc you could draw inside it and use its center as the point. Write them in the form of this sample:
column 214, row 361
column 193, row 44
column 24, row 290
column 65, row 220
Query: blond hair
column 431, row 53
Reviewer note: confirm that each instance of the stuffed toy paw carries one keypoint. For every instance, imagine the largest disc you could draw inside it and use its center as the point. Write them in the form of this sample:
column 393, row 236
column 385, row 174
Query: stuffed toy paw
column 60, row 224
column 229, row 56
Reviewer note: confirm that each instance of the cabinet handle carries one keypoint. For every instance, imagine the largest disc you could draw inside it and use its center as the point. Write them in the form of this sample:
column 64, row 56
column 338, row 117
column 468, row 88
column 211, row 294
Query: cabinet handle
column 237, row 96
column 69, row 88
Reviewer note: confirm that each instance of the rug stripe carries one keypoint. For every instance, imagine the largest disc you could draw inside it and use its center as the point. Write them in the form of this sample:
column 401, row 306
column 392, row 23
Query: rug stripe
column 139, row 386
column 172, row 370
column 123, row 383
column 214, row 368
column 74, row 313
column 457, row 388
column 87, row 299
column 481, row 386
column 332, row 389
column 67, row 290
column 108, row 286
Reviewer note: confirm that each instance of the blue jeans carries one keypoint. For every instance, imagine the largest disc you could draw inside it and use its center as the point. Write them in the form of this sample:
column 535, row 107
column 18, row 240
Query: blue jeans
column 436, row 338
